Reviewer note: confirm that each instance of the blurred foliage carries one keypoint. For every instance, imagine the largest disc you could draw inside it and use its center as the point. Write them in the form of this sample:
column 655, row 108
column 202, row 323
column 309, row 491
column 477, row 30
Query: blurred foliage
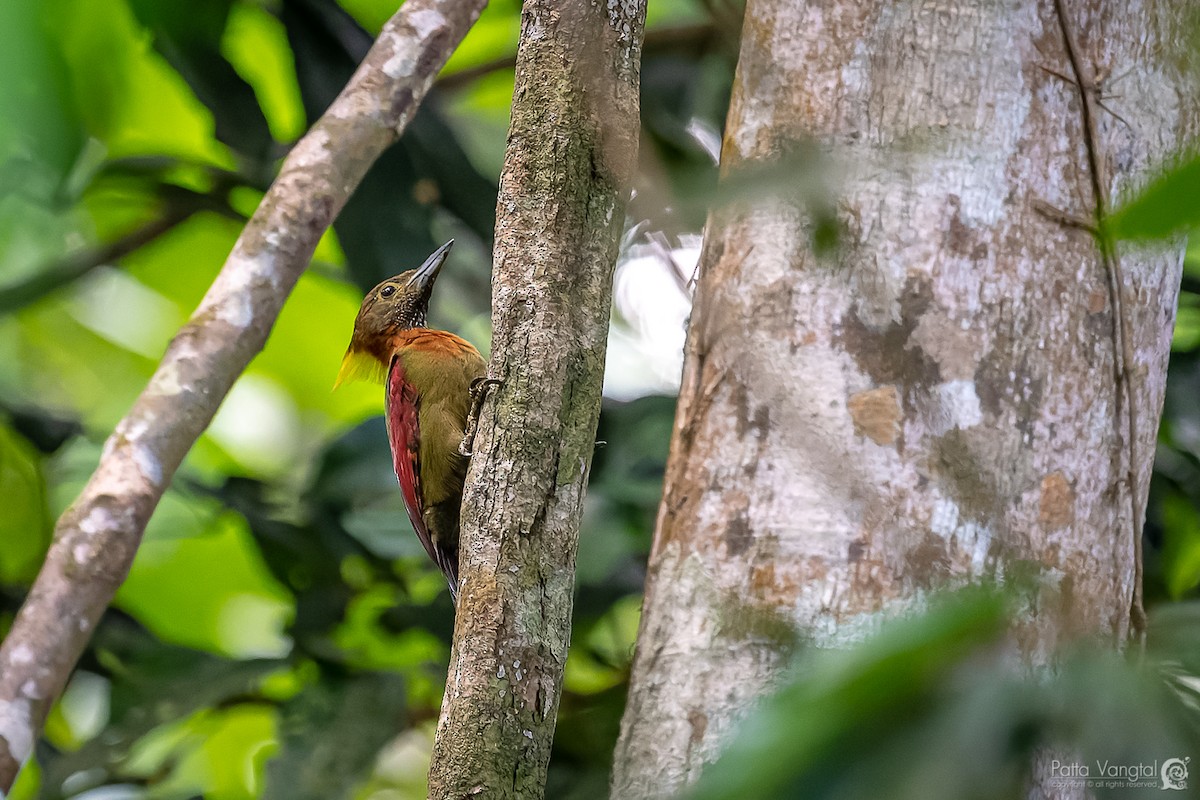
column 932, row 708
column 1168, row 205
column 1172, row 543
column 281, row 633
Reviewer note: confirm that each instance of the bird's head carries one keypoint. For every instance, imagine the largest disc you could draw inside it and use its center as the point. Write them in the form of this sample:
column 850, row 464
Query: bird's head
column 397, row 304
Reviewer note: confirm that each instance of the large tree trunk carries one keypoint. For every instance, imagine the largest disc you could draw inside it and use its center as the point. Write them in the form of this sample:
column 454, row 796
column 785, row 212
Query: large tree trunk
column 572, row 149
column 940, row 398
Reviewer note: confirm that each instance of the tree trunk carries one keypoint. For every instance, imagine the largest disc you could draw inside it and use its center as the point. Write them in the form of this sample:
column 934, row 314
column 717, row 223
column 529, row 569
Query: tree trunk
column 942, row 397
column 572, row 149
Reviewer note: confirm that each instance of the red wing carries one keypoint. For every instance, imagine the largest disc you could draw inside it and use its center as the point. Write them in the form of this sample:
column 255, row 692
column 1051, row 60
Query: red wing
column 404, row 434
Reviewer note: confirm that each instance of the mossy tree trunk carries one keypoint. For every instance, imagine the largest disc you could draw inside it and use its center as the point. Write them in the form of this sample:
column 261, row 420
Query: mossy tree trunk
column 572, row 149
column 949, row 392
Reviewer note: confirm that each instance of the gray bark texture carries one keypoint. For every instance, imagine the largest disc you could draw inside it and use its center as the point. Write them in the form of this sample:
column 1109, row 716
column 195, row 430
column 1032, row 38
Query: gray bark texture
column 572, row 150
column 96, row 538
column 944, row 397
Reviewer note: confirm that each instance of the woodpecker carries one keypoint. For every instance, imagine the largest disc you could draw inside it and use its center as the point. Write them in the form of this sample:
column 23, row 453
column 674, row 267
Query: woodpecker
column 431, row 380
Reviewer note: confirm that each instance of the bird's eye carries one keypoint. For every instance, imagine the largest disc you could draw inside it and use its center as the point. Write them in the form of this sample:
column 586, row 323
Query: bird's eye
column 387, row 291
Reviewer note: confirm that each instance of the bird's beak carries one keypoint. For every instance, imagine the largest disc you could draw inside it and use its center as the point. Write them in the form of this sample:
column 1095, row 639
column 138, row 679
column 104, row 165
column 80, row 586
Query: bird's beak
column 428, row 272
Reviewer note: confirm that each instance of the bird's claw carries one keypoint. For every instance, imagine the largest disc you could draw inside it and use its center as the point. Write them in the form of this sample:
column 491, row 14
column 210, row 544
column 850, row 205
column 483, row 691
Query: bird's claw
column 479, row 390
column 481, row 385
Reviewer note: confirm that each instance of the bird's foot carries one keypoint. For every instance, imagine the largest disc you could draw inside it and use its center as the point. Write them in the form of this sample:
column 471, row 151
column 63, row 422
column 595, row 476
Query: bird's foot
column 479, row 391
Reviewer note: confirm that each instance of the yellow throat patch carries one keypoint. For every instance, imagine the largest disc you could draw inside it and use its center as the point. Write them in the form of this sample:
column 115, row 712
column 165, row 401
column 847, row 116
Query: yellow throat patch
column 359, row 366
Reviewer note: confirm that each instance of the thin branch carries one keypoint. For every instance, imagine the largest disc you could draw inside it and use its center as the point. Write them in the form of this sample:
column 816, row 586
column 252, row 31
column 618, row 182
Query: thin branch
column 1064, row 218
column 1122, row 333
column 467, row 76
column 684, row 279
column 76, row 265
column 96, row 538
column 63, row 273
column 572, row 151
column 660, row 39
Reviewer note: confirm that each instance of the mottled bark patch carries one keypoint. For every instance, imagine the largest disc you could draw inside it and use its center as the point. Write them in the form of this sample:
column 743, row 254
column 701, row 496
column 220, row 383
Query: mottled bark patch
column 872, row 585
column 889, row 355
column 955, row 348
column 400, row 105
column 1056, row 509
column 928, row 564
column 962, row 475
column 739, row 621
column 961, row 239
column 856, row 549
column 757, row 419
column 1005, row 380
column 738, row 534
column 774, row 586
column 876, row 414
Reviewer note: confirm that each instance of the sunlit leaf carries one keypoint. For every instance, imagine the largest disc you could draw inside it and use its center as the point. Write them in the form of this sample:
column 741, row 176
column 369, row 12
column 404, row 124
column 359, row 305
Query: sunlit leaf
column 1168, row 205
column 492, row 38
column 1186, row 335
column 1181, row 551
column 25, row 523
column 136, row 104
column 209, row 589
column 189, row 37
column 256, row 45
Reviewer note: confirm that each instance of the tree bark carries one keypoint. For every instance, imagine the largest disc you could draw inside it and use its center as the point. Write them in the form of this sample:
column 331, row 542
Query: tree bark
column 943, row 398
column 96, row 538
column 572, row 150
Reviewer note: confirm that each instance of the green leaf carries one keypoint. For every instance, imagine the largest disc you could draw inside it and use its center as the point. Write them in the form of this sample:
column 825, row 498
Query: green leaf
column 845, row 704
column 25, row 523
column 153, row 685
column 256, row 45
column 207, row 588
column 40, row 130
column 1167, row 206
column 1181, row 550
column 1186, row 336
column 189, row 36
column 492, row 38
column 137, row 104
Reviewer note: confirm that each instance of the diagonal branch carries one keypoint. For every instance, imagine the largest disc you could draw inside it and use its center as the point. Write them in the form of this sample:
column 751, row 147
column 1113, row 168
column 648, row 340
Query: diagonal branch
column 96, row 538
column 694, row 36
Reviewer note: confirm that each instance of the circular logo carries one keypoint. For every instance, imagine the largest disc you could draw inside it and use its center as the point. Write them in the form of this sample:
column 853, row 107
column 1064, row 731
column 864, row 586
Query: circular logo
column 1175, row 773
